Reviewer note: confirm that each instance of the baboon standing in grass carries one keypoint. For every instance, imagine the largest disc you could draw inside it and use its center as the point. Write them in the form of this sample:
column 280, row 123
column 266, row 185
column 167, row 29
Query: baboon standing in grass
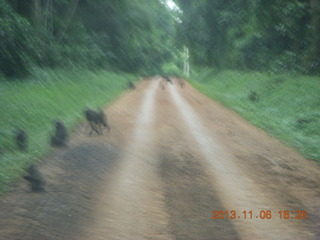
column 21, row 140
column 36, row 179
column 96, row 119
column 61, row 136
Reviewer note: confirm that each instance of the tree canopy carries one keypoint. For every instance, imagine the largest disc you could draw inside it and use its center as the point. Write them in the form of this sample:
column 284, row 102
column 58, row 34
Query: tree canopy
column 127, row 35
column 253, row 34
column 144, row 36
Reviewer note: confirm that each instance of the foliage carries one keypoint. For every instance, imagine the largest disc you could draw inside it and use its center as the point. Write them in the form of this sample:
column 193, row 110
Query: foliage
column 256, row 35
column 144, row 35
column 34, row 104
column 287, row 106
column 14, row 39
column 128, row 35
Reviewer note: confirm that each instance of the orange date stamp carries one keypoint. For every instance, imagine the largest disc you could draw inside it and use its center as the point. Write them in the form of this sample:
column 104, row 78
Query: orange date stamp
column 285, row 214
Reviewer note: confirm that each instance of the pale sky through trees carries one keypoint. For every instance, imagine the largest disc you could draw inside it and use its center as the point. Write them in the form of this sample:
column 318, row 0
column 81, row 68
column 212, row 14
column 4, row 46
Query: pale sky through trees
column 172, row 5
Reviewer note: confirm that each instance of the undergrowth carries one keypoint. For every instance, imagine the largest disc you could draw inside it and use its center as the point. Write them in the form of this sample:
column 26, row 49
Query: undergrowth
column 33, row 105
column 285, row 105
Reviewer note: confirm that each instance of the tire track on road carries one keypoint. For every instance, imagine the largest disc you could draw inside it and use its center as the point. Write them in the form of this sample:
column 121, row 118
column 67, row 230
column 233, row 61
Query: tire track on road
column 236, row 190
column 131, row 207
column 189, row 195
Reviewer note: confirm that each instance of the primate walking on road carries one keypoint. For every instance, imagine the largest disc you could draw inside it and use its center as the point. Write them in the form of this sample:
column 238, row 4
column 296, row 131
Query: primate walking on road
column 36, row 179
column 164, row 80
column 96, row 119
column 162, row 84
column 168, row 79
column 181, row 82
column 131, row 85
column 61, row 135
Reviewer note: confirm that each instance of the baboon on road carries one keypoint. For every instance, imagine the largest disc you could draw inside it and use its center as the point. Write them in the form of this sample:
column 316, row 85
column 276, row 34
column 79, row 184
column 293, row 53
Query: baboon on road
column 167, row 79
column 21, row 140
column 162, row 84
column 61, row 135
column 164, row 80
column 181, row 82
column 36, row 179
column 96, row 119
column 131, row 85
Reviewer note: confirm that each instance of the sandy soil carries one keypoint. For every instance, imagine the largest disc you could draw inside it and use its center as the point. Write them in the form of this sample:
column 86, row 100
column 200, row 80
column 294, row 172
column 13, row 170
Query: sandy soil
column 173, row 157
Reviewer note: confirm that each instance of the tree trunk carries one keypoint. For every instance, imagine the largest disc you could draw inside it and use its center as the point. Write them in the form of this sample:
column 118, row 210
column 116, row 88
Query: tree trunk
column 315, row 7
column 37, row 12
column 69, row 17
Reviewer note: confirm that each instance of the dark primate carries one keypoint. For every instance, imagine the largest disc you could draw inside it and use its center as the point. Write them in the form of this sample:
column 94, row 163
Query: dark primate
column 131, row 85
column 168, row 79
column 36, row 179
column 21, row 140
column 303, row 120
column 96, row 119
column 162, row 85
column 253, row 96
column 61, row 136
column 181, row 81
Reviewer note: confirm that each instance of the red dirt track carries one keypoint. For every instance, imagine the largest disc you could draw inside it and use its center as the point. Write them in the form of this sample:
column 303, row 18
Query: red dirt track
column 172, row 157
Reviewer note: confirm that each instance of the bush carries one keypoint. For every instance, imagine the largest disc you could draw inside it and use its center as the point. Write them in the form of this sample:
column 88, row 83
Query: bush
column 15, row 34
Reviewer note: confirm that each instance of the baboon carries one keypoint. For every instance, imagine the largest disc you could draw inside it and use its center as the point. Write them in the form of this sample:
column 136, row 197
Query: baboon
column 61, row 136
column 162, row 84
column 21, row 140
column 131, row 85
column 36, row 179
column 181, row 82
column 96, row 119
column 303, row 120
column 253, row 96
column 167, row 79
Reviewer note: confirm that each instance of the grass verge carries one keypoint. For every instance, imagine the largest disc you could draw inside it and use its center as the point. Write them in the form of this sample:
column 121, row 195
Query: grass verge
column 34, row 103
column 285, row 105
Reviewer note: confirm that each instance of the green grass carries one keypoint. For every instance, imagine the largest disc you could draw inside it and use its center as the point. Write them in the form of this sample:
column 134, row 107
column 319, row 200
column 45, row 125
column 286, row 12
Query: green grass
column 34, row 104
column 287, row 105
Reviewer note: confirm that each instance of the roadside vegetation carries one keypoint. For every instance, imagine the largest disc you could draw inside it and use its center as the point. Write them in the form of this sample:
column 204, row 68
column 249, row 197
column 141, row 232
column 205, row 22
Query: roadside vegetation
column 56, row 57
column 262, row 59
column 285, row 105
column 33, row 105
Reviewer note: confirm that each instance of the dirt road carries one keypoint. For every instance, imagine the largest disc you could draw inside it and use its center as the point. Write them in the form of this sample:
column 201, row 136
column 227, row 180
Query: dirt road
column 173, row 162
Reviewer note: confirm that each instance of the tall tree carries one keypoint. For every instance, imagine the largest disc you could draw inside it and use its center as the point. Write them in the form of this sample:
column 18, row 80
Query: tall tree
column 315, row 7
column 252, row 34
column 130, row 35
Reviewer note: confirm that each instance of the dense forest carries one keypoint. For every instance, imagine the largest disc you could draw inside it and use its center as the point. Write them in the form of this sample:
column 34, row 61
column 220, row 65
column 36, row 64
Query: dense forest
column 147, row 36
column 266, row 35
column 126, row 35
